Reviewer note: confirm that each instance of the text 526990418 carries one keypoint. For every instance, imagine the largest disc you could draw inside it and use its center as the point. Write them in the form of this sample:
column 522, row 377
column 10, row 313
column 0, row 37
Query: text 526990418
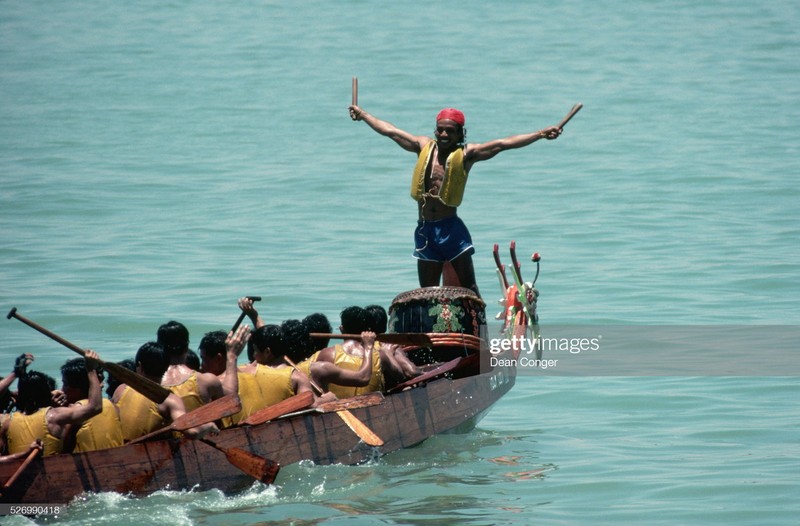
column 32, row 509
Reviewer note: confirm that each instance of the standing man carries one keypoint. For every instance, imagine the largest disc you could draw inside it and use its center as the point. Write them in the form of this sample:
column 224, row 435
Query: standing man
column 437, row 184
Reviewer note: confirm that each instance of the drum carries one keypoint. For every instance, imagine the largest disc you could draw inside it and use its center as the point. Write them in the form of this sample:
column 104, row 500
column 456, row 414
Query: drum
column 438, row 309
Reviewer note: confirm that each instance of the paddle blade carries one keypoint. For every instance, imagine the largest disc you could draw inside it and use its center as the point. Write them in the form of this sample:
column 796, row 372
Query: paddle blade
column 363, row 400
column 220, row 408
column 260, row 468
column 358, row 427
column 290, row 405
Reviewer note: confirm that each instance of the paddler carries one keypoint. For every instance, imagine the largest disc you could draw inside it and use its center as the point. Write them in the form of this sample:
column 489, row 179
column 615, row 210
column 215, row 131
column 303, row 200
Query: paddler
column 352, row 367
column 437, row 184
column 36, row 419
column 138, row 414
column 101, row 431
column 197, row 388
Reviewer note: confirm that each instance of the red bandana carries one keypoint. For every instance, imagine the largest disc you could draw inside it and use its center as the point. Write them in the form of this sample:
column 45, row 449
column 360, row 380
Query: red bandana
column 451, row 114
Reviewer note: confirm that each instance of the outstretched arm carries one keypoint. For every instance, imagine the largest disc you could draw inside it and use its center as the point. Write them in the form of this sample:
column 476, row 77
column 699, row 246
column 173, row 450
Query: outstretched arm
column 487, row 150
column 407, row 141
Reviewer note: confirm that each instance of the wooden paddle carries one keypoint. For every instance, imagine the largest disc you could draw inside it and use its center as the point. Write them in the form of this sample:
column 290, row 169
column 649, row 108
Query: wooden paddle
column 292, row 404
column 354, row 402
column 446, row 367
column 260, row 468
column 155, row 392
column 575, row 109
column 32, row 455
column 242, row 315
column 220, row 408
column 357, row 426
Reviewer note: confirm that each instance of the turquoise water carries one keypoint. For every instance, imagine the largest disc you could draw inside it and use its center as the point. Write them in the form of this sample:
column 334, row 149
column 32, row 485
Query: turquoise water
column 159, row 160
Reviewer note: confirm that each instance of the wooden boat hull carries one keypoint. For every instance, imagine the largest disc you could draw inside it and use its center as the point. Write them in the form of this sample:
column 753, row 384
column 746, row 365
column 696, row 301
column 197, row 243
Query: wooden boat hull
column 404, row 419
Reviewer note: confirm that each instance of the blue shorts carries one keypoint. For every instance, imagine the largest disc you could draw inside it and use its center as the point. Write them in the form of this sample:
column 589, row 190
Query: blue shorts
column 442, row 240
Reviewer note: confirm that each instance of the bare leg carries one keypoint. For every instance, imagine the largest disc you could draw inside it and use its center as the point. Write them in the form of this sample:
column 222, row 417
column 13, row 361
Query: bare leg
column 430, row 272
column 466, row 272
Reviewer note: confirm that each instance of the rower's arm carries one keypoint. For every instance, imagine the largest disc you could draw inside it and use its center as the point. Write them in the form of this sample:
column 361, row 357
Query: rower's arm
column 407, row 141
column 487, row 150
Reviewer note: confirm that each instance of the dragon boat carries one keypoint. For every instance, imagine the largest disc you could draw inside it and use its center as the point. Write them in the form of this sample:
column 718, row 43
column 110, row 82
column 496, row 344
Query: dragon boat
column 458, row 387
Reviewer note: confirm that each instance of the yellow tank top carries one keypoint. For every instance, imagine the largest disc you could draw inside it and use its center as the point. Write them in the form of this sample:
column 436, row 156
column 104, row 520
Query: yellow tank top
column 455, row 176
column 188, row 391
column 305, row 365
column 101, row 431
column 138, row 415
column 264, row 387
column 24, row 429
column 353, row 363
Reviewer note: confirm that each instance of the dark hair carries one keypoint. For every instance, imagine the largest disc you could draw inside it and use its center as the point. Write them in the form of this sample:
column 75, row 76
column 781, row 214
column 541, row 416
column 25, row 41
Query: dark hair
column 174, row 337
column 34, row 391
column 213, row 343
column 354, row 320
column 318, row 322
column 153, row 359
column 73, row 374
column 113, row 382
column 298, row 343
column 266, row 336
column 378, row 318
column 192, row 360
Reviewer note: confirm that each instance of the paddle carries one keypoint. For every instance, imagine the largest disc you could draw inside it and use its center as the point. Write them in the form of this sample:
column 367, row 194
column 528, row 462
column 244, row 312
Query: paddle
column 271, row 412
column 354, row 402
column 220, row 408
column 575, row 109
column 242, row 315
column 260, row 468
column 357, row 426
column 147, row 387
column 33, row 453
column 446, row 367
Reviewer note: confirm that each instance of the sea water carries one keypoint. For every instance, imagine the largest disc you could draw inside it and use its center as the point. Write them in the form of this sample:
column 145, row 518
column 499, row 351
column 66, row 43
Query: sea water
column 158, row 160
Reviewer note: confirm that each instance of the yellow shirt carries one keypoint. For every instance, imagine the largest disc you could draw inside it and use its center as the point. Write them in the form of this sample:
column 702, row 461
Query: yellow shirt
column 188, row 391
column 24, row 429
column 353, row 363
column 101, row 431
column 138, row 414
column 265, row 387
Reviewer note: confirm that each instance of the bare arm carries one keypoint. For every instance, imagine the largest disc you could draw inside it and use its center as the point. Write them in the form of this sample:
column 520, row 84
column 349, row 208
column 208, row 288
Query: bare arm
column 407, row 141
column 326, row 373
column 234, row 344
column 20, row 367
column 58, row 418
column 247, row 306
column 487, row 150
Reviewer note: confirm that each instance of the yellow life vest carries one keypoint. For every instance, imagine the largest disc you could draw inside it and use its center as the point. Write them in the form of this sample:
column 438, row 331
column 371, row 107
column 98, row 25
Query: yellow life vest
column 265, row 387
column 24, row 429
column 189, row 392
column 101, row 431
column 353, row 363
column 138, row 415
column 455, row 176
